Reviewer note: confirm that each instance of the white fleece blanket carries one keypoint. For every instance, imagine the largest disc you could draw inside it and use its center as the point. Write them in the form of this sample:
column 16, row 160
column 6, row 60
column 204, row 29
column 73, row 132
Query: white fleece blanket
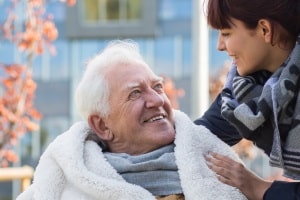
column 72, row 168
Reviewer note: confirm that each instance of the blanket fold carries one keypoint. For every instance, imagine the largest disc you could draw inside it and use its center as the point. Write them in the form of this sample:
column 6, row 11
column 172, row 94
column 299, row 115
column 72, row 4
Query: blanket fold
column 75, row 168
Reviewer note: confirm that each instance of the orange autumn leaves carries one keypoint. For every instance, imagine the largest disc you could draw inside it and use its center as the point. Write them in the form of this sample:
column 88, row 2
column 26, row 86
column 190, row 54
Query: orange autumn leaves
column 36, row 39
column 69, row 2
column 172, row 92
column 13, row 106
column 17, row 113
column 17, row 88
column 39, row 28
column 39, row 31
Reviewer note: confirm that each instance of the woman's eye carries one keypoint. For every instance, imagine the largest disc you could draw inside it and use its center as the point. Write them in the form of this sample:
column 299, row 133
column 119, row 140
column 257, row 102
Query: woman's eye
column 225, row 34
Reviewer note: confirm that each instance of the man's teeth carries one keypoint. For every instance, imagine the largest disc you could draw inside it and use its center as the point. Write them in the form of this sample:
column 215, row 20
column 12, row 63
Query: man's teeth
column 155, row 118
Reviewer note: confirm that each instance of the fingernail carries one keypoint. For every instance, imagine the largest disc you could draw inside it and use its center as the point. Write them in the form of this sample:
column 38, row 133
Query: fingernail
column 209, row 164
column 207, row 157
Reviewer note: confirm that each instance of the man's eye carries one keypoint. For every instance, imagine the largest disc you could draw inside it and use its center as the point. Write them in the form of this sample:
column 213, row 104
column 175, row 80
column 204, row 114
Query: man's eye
column 134, row 94
column 159, row 87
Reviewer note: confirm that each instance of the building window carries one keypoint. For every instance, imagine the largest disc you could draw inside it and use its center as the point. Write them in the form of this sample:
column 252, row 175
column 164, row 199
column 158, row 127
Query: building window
column 111, row 18
column 111, row 11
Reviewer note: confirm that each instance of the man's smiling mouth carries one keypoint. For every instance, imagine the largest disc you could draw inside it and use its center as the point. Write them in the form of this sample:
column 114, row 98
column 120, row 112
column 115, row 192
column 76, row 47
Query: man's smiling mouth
column 155, row 118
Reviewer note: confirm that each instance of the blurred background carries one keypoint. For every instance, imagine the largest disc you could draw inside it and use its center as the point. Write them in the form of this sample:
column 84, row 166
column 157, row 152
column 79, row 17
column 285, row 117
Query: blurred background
column 168, row 33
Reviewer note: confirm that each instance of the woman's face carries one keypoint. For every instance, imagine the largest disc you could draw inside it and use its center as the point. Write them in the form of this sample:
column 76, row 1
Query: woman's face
column 248, row 48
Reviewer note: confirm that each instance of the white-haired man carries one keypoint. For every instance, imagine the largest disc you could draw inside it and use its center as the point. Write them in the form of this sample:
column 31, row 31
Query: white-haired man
column 131, row 144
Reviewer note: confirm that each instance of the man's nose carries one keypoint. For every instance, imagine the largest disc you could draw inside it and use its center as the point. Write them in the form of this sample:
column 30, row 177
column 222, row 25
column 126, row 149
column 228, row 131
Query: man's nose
column 154, row 99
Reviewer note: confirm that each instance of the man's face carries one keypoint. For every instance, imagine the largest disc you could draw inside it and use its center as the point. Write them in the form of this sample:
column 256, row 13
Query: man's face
column 140, row 116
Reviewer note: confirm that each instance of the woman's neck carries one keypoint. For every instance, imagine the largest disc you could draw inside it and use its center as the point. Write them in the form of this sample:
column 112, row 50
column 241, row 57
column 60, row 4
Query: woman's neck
column 278, row 56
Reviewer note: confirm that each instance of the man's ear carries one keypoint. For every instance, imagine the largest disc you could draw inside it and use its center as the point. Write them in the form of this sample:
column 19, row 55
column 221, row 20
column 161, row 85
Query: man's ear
column 265, row 29
column 98, row 125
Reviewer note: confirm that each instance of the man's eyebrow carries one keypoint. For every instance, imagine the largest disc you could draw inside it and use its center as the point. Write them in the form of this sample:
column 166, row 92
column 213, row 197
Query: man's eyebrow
column 159, row 79
column 131, row 85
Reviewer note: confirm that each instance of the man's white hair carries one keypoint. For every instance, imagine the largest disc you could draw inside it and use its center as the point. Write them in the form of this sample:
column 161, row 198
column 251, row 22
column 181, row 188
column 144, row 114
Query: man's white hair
column 92, row 93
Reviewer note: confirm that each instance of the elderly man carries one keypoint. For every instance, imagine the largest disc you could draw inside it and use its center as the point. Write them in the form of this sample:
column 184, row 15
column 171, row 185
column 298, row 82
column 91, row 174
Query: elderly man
column 131, row 144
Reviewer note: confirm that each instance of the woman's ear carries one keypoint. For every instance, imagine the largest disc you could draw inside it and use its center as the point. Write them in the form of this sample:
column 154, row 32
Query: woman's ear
column 265, row 29
column 98, row 125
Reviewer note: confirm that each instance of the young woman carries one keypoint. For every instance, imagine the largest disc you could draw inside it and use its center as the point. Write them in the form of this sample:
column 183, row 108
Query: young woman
column 260, row 99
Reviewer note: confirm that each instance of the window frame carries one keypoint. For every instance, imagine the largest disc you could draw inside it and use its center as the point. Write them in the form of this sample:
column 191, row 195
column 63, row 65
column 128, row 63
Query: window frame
column 145, row 27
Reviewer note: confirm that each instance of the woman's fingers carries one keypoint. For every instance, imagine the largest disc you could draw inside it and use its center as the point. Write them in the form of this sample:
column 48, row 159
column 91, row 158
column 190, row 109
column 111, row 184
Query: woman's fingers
column 227, row 170
column 237, row 175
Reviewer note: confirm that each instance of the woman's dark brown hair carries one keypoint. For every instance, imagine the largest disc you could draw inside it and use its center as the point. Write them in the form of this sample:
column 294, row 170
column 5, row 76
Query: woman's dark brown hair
column 284, row 15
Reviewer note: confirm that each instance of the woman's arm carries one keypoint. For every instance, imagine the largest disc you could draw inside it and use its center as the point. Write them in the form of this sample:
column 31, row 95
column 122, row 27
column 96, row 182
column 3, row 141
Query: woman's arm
column 213, row 121
column 283, row 190
column 236, row 174
column 253, row 187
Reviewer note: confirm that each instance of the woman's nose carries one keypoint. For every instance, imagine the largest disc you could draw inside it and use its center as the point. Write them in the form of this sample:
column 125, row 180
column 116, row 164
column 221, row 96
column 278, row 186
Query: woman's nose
column 221, row 44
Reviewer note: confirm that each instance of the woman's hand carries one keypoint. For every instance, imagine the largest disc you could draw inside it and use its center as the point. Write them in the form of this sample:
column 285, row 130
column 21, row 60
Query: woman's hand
column 237, row 175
